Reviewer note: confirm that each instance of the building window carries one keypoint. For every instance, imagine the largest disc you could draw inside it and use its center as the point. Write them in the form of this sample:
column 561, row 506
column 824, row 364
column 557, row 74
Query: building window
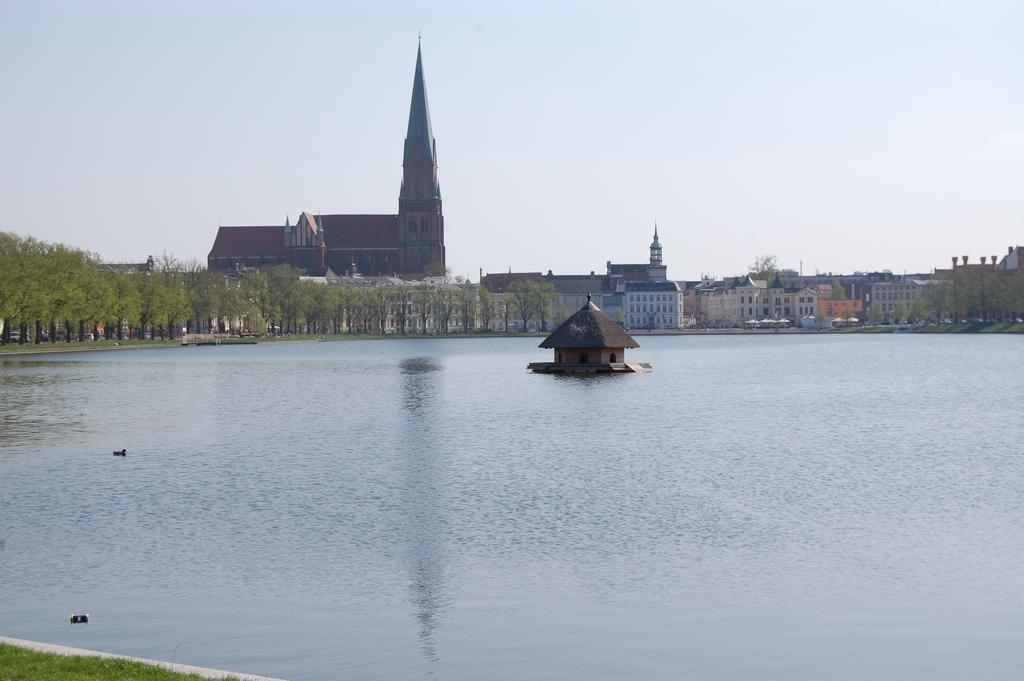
column 423, row 226
column 412, row 226
column 584, row 359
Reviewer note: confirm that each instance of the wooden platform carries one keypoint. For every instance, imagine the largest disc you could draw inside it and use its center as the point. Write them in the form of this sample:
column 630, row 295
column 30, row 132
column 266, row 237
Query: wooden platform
column 613, row 368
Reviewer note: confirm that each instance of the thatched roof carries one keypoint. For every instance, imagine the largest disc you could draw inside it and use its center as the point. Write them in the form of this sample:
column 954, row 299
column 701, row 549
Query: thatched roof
column 589, row 328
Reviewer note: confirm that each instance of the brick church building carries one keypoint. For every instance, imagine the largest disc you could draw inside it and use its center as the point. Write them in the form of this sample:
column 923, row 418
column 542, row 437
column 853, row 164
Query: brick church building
column 410, row 243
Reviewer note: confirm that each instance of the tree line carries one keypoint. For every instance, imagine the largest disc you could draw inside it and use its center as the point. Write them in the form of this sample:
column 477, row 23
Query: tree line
column 53, row 292
column 976, row 292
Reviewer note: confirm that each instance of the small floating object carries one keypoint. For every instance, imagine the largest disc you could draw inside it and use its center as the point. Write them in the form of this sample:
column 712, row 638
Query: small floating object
column 123, row 452
column 80, row 619
column 589, row 342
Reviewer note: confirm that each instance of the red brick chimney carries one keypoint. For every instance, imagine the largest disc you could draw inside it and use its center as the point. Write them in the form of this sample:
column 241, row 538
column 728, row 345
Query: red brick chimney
column 983, row 260
column 954, row 262
column 964, row 258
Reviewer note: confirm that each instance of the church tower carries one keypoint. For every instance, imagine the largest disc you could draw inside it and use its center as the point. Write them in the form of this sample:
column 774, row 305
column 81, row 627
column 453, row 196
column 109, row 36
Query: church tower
column 656, row 270
column 420, row 220
column 656, row 248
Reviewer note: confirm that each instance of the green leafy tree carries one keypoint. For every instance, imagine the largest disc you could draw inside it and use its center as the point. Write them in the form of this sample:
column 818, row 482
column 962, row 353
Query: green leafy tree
column 422, row 300
column 260, row 299
column 127, row 307
column 524, row 300
column 380, row 302
column 22, row 297
column 838, row 290
column 285, row 295
column 485, row 307
column 207, row 289
column 544, row 295
column 402, row 302
column 467, row 307
column 919, row 309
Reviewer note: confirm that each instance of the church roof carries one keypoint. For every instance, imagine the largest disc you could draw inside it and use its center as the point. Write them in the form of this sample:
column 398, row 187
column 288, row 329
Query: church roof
column 310, row 220
column 589, row 328
column 578, row 284
column 499, row 283
column 633, row 286
column 631, row 270
column 240, row 242
column 419, row 115
column 360, row 231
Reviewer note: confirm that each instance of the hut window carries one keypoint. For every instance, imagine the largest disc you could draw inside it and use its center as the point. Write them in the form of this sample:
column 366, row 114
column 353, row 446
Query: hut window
column 612, row 358
column 559, row 358
column 583, row 358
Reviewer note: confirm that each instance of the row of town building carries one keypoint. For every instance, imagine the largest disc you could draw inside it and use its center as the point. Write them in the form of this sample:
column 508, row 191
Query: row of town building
column 642, row 297
column 408, row 246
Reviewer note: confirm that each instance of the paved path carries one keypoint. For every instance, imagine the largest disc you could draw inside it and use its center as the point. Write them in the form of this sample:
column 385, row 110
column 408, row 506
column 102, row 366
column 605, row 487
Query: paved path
column 181, row 668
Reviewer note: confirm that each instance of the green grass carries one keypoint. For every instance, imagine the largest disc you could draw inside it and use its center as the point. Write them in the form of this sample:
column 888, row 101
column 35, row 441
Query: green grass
column 20, row 664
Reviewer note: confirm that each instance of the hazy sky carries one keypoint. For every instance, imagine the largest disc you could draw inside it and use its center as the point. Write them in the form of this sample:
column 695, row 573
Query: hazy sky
column 846, row 136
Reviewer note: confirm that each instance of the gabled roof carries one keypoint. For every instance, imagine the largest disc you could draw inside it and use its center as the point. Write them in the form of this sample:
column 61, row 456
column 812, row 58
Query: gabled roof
column 628, row 268
column 309, row 219
column 589, row 328
column 746, row 281
column 360, row 231
column 240, row 242
column 499, row 283
column 634, row 286
column 573, row 284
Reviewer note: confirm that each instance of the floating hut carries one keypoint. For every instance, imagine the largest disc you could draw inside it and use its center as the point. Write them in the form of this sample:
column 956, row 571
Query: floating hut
column 589, row 342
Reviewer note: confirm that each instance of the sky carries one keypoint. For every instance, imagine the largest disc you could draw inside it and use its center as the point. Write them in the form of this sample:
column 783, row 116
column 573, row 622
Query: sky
column 837, row 136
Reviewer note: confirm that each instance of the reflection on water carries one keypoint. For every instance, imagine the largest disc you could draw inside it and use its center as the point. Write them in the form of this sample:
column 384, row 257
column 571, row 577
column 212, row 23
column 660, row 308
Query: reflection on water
column 755, row 507
column 424, row 471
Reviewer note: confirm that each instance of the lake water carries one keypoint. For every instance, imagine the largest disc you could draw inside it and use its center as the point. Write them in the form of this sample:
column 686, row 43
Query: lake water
column 757, row 507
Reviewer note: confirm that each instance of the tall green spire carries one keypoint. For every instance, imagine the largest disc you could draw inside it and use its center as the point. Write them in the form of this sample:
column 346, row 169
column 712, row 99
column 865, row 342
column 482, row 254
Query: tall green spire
column 657, row 242
column 420, row 132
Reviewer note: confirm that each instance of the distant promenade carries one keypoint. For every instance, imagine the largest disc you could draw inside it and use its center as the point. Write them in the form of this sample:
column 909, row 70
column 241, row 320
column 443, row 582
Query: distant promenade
column 99, row 346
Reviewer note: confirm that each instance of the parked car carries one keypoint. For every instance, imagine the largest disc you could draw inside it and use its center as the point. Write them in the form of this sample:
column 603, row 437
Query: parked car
column 147, row 336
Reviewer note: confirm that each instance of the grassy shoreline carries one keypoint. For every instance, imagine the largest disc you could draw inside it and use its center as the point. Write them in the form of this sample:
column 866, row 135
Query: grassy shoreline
column 22, row 664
